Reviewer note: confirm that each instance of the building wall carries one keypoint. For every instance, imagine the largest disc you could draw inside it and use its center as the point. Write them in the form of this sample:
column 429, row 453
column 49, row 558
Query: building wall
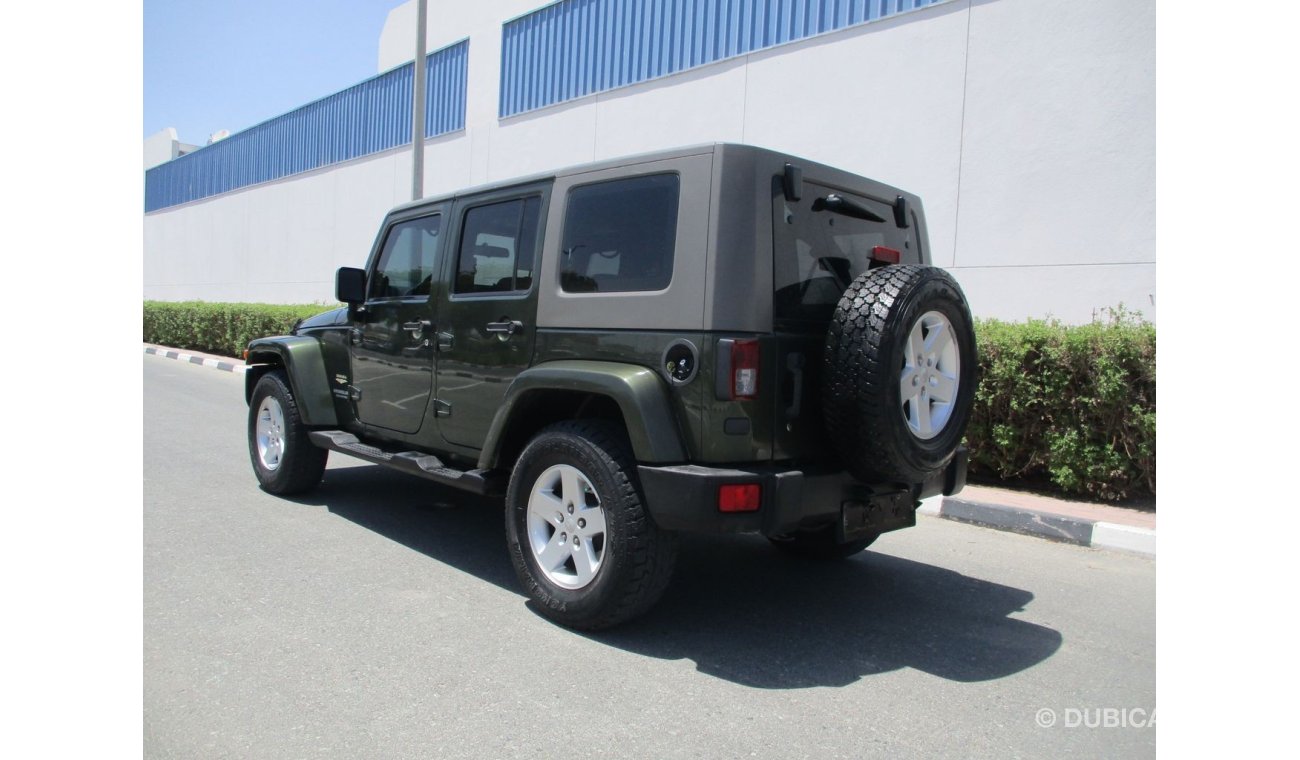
column 1027, row 126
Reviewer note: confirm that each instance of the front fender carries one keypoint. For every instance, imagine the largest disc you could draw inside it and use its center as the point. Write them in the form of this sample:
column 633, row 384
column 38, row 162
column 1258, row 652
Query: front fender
column 301, row 358
column 641, row 395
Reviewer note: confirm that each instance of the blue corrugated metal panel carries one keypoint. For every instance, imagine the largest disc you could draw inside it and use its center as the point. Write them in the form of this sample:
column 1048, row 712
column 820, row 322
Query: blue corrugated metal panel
column 366, row 118
column 577, row 47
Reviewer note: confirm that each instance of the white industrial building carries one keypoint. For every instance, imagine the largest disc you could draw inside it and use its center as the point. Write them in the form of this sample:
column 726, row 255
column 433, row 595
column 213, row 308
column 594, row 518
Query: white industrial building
column 1026, row 126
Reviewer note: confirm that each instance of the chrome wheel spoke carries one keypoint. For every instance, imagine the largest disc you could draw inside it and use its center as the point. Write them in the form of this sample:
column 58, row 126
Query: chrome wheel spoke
column 592, row 522
column 570, row 490
column 944, row 388
column 938, row 339
column 915, row 345
column 544, row 499
column 555, row 552
column 584, row 561
column 922, row 416
column 910, row 384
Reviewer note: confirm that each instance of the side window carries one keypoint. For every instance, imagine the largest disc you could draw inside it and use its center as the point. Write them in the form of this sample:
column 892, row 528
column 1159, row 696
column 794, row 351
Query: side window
column 407, row 261
column 497, row 247
column 620, row 235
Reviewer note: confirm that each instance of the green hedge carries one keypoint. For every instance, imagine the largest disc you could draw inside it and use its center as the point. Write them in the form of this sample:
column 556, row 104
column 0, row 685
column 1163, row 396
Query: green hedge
column 219, row 328
column 1068, row 408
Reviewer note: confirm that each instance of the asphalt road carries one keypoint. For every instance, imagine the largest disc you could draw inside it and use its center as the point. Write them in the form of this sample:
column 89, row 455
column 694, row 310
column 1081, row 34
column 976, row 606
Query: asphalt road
column 380, row 617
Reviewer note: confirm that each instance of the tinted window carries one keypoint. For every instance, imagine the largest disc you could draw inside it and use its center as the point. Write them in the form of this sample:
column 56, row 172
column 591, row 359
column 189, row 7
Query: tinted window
column 406, row 263
column 620, row 235
column 817, row 254
column 497, row 247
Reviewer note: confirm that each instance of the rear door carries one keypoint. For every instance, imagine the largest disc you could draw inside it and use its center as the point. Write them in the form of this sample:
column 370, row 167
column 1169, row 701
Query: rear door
column 391, row 341
column 487, row 324
column 818, row 249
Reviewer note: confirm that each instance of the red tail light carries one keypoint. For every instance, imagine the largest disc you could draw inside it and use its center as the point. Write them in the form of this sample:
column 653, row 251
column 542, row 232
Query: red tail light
column 887, row 255
column 740, row 497
column 744, row 369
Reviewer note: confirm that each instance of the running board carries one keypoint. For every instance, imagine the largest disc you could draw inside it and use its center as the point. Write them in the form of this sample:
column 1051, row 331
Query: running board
column 416, row 463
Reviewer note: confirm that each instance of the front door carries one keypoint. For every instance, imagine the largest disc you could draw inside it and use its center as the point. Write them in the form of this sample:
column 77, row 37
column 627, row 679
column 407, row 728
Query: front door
column 392, row 334
column 487, row 324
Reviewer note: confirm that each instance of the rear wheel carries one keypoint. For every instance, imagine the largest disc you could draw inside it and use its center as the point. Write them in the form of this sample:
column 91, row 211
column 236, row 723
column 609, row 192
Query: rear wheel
column 284, row 458
column 900, row 373
column 582, row 543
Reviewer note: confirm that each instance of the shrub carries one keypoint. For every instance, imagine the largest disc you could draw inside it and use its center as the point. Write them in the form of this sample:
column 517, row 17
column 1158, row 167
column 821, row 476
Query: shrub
column 1069, row 406
column 219, row 328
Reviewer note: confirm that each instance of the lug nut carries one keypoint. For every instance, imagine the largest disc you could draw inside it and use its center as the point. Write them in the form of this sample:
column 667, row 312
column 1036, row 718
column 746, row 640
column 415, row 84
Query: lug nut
column 564, row 537
column 570, row 509
column 576, row 542
column 582, row 523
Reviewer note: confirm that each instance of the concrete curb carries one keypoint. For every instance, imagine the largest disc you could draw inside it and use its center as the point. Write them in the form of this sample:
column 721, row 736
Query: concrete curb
column 1064, row 528
column 207, row 361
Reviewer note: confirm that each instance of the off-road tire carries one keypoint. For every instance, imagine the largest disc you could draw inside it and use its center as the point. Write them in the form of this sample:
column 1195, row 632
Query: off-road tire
column 638, row 556
column 864, row 358
column 820, row 544
column 301, row 463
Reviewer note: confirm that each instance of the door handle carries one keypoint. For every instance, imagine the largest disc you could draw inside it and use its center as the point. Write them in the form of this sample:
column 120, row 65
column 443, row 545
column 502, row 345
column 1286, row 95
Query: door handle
column 506, row 328
column 417, row 329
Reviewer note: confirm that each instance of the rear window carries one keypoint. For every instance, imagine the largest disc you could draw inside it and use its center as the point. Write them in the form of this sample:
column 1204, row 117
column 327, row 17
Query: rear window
column 619, row 236
column 818, row 253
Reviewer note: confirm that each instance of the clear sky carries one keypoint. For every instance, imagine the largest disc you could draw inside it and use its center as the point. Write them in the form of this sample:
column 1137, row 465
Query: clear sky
column 230, row 64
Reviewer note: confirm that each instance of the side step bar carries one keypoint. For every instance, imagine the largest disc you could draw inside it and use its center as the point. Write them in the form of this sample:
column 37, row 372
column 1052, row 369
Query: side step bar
column 481, row 482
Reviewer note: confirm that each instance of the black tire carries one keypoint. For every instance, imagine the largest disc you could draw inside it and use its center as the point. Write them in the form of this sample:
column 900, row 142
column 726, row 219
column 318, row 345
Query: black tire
column 821, row 544
column 864, row 363
column 636, row 557
column 300, row 464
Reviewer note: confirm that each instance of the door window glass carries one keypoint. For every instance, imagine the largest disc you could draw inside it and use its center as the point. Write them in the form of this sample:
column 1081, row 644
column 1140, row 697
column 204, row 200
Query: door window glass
column 405, row 267
column 497, row 247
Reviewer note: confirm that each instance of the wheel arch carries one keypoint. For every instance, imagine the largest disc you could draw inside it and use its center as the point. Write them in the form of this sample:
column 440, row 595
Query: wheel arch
column 632, row 395
column 302, row 362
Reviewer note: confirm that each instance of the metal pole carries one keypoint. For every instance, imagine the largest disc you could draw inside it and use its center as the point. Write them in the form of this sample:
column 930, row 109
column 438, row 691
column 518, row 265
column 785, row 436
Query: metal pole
column 417, row 106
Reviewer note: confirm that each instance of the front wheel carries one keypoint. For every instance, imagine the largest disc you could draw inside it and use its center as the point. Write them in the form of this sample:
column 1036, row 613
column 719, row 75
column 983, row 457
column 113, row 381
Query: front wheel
column 582, row 543
column 284, row 458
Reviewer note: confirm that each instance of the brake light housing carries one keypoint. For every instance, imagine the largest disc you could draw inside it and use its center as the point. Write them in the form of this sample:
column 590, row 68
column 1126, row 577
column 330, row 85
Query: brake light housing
column 886, row 255
column 744, row 369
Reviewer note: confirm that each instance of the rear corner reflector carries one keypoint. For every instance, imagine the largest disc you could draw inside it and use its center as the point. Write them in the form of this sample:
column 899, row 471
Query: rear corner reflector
column 739, row 497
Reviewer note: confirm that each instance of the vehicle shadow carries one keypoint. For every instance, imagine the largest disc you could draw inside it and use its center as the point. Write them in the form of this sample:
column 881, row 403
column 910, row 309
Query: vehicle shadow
column 737, row 607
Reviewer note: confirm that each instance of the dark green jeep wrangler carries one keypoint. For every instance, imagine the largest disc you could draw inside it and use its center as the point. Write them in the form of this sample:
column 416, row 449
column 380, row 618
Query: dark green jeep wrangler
column 712, row 339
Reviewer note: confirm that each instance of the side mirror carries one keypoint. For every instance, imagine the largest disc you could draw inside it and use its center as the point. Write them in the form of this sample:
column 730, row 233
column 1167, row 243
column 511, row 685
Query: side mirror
column 350, row 286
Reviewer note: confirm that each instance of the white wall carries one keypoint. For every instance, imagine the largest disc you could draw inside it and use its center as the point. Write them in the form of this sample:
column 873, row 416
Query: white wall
column 1027, row 126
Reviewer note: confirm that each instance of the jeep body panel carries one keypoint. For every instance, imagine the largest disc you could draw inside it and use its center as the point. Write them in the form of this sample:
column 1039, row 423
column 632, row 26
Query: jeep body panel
column 641, row 396
column 676, row 307
column 302, row 360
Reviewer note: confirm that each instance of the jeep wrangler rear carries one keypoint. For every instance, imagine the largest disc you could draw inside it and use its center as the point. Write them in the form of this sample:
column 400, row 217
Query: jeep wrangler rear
column 712, row 339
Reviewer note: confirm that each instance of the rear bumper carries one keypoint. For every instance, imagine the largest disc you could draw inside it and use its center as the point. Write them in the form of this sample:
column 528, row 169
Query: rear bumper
column 685, row 498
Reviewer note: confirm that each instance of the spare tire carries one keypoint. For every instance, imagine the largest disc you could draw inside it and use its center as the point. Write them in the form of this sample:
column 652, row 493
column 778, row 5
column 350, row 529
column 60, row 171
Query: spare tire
column 899, row 369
